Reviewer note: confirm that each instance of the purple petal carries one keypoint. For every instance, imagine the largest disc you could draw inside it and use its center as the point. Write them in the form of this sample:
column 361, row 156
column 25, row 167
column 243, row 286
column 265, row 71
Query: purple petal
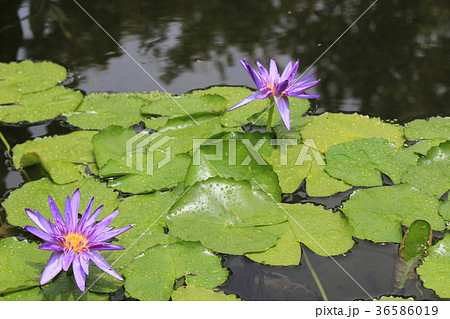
column 283, row 108
column 55, row 211
column 263, row 70
column 51, row 246
column 86, row 213
column 264, row 95
column 111, row 234
column 255, row 77
column 105, row 246
column 78, row 273
column 53, row 267
column 281, row 87
column 68, row 216
column 75, row 203
column 290, row 76
column 303, row 95
column 84, row 262
column 91, row 220
column 302, row 81
column 273, row 69
column 67, row 259
column 37, row 232
column 286, row 72
column 101, row 263
column 303, row 86
column 40, row 221
column 247, row 100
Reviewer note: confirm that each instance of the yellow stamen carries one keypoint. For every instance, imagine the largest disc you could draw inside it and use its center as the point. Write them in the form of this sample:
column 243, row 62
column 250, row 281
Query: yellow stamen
column 75, row 242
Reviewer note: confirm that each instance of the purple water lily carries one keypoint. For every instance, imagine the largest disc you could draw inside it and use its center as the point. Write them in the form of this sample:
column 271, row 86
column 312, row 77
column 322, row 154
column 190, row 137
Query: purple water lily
column 75, row 241
column 271, row 84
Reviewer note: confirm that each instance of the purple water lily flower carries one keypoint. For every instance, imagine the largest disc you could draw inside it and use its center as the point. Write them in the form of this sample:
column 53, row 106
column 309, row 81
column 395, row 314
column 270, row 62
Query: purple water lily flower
column 271, row 84
column 75, row 241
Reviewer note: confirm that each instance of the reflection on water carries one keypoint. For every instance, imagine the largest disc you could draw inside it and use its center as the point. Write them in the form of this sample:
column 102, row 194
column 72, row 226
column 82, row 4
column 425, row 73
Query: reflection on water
column 393, row 63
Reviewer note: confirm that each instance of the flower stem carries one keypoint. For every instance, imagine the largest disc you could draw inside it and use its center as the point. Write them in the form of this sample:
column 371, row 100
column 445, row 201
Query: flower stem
column 5, row 142
column 316, row 278
column 269, row 120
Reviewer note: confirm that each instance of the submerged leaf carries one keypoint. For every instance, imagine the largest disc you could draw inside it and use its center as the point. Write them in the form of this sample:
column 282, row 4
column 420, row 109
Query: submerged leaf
column 151, row 276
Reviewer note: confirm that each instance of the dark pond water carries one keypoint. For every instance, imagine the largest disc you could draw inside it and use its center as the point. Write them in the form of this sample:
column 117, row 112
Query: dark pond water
column 393, row 63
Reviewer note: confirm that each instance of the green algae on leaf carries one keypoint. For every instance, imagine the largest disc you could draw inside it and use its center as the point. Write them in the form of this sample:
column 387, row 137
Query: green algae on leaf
column 433, row 128
column 435, row 269
column 287, row 251
column 100, row 110
column 39, row 106
column 324, row 232
column 361, row 162
column 24, row 77
column 34, row 195
column 59, row 156
column 21, row 264
column 334, row 128
column 377, row 213
column 151, row 275
column 192, row 293
column 220, row 214
column 432, row 173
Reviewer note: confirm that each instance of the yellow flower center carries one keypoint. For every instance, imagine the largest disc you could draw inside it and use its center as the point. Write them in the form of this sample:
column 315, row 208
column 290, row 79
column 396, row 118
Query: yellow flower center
column 75, row 241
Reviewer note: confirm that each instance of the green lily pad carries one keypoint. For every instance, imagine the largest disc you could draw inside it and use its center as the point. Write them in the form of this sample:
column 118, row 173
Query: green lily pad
column 64, row 288
column 416, row 241
column 432, row 173
column 298, row 107
column 232, row 158
column 151, row 276
column 435, row 270
column 192, row 293
column 220, row 212
column 34, row 195
column 39, row 106
column 324, row 232
column 59, row 156
column 156, row 123
column 295, row 163
column 141, row 170
column 21, row 264
column 287, row 251
column 334, row 128
column 187, row 104
column 444, row 210
column 24, row 77
column 433, row 128
column 297, row 123
column 378, row 213
column 361, row 162
column 147, row 215
column 422, row 147
column 394, row 298
column 100, row 110
column 32, row 294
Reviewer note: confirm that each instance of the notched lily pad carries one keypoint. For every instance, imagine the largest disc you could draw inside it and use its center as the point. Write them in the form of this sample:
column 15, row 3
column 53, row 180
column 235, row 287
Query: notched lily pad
column 378, row 213
column 18, row 78
column 151, row 275
column 59, row 156
column 100, row 110
column 39, row 106
column 435, row 270
column 220, row 214
column 433, row 128
column 34, row 195
column 334, row 128
column 361, row 162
